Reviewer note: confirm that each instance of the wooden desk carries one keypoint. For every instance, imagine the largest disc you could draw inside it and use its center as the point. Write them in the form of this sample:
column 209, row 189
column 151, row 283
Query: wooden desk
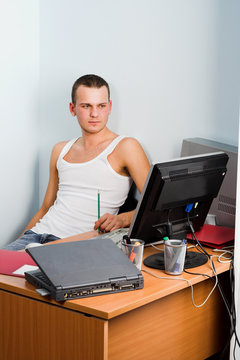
column 154, row 323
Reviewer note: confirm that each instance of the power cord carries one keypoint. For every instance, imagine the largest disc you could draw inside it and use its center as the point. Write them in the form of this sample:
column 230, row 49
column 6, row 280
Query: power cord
column 226, row 256
column 189, row 283
column 230, row 308
column 222, row 258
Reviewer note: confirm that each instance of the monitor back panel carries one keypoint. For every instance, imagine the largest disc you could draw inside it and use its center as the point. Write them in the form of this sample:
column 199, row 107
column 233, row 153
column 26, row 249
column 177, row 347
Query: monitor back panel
column 224, row 206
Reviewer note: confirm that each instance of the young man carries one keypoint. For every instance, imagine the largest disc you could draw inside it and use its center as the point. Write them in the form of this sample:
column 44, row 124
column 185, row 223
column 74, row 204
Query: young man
column 99, row 164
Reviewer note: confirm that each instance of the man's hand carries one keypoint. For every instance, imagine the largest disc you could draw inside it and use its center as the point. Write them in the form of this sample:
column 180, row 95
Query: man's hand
column 109, row 222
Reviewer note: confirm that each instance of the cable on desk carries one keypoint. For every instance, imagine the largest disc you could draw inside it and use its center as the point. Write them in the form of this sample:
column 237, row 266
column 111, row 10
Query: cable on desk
column 222, row 258
column 193, row 273
column 155, row 247
column 224, row 251
column 212, row 264
column 230, row 308
column 233, row 309
column 189, row 283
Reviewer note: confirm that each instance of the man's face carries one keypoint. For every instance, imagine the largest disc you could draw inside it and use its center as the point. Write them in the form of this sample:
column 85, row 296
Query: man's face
column 92, row 108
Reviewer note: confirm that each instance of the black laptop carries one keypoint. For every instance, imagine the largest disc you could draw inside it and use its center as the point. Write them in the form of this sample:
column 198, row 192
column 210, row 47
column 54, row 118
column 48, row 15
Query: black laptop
column 82, row 268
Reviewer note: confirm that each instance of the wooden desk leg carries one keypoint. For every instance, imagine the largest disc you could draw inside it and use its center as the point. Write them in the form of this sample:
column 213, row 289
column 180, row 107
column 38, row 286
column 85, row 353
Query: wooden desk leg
column 35, row 330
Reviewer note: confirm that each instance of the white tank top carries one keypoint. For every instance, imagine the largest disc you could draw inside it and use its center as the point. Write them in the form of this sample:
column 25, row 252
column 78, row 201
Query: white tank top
column 75, row 209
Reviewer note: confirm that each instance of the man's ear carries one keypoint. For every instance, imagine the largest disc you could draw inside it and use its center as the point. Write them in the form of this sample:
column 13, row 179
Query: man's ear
column 72, row 109
column 110, row 106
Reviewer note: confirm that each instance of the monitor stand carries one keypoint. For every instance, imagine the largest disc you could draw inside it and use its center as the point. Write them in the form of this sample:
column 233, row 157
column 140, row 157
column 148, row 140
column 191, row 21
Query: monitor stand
column 192, row 260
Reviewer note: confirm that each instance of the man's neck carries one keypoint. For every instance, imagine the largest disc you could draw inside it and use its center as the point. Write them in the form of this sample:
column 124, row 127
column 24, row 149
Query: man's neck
column 90, row 140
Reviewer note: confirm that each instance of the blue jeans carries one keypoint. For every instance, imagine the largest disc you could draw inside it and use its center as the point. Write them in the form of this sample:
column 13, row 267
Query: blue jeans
column 30, row 237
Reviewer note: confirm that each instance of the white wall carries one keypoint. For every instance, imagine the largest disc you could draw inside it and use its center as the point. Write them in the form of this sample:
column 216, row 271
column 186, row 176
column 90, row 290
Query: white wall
column 18, row 115
column 172, row 66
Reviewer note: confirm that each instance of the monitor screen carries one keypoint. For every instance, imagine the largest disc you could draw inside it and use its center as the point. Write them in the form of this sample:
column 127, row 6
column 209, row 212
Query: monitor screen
column 176, row 192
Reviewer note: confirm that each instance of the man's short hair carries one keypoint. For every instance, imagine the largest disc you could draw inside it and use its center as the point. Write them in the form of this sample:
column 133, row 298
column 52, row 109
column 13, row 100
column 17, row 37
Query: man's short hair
column 91, row 81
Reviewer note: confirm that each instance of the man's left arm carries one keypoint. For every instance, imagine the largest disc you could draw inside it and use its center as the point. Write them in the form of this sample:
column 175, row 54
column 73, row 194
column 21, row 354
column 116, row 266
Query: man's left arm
column 131, row 160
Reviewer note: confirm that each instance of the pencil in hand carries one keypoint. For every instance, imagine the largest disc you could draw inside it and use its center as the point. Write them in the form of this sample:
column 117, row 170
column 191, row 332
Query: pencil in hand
column 98, row 197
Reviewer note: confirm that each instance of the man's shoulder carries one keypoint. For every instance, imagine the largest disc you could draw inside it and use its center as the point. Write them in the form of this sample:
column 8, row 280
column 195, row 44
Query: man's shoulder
column 61, row 143
column 128, row 143
column 58, row 147
column 128, row 148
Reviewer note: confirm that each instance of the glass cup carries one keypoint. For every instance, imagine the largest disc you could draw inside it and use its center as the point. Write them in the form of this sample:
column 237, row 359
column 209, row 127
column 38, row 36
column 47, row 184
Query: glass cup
column 174, row 256
column 134, row 251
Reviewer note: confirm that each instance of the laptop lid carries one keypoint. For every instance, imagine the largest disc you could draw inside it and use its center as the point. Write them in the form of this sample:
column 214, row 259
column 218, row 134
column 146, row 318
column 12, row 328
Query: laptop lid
column 83, row 263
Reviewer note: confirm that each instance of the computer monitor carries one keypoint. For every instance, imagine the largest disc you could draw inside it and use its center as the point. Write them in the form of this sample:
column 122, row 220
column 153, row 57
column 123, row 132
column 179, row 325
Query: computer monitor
column 175, row 193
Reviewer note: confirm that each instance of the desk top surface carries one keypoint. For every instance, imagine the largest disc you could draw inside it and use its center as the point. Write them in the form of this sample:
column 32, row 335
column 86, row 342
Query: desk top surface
column 111, row 305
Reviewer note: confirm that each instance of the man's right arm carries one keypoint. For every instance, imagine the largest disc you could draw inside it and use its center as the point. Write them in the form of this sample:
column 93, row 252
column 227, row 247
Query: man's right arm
column 52, row 188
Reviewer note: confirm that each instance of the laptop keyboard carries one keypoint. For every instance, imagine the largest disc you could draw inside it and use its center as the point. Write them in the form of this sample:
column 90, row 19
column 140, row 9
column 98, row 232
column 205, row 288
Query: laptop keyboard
column 116, row 235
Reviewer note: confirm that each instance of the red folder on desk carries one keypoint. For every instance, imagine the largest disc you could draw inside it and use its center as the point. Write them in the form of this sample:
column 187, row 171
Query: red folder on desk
column 214, row 236
column 12, row 261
